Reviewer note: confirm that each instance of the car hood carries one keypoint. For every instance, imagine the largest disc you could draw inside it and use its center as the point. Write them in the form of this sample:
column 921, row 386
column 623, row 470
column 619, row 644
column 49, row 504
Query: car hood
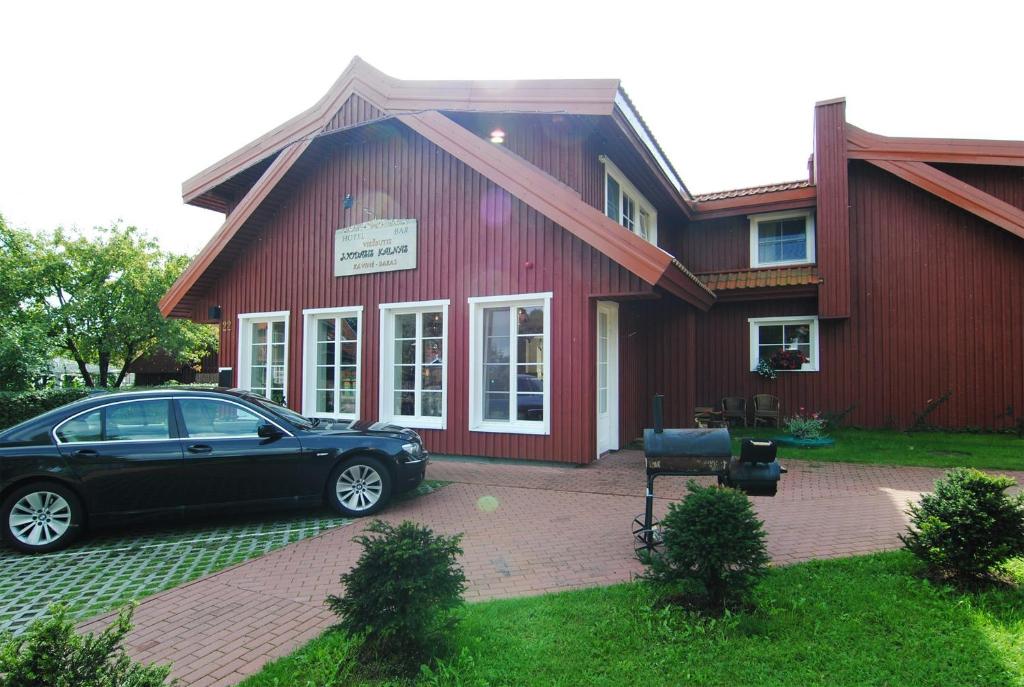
column 365, row 427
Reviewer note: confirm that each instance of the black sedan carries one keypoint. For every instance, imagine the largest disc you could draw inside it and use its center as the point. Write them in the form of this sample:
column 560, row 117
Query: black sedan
column 114, row 456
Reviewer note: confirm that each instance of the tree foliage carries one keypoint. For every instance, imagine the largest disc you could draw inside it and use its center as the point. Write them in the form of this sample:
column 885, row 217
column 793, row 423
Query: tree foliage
column 52, row 654
column 25, row 347
column 96, row 296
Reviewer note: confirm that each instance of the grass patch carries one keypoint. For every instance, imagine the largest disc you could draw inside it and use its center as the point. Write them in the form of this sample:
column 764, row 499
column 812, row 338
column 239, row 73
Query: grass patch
column 858, row 621
column 889, row 447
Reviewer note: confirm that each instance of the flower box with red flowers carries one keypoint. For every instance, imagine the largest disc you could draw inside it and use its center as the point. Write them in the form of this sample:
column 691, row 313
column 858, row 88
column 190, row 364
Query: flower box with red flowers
column 788, row 359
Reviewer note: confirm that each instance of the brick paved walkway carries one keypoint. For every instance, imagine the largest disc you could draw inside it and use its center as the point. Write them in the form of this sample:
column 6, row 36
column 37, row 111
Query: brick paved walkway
column 553, row 529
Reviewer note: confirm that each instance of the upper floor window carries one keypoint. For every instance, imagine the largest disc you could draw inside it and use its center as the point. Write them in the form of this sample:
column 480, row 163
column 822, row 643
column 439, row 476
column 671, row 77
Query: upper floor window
column 782, row 238
column 626, row 205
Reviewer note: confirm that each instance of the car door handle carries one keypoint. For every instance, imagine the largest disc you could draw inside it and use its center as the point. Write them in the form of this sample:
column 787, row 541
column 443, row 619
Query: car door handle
column 200, row 448
column 86, row 453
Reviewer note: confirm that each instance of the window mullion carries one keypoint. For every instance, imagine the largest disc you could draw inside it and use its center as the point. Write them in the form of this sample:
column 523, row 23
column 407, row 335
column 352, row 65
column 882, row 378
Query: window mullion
column 417, row 367
column 513, row 357
column 337, row 366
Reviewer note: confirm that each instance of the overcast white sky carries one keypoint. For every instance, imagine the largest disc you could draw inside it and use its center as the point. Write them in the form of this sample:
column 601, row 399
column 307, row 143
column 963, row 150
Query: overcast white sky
column 106, row 108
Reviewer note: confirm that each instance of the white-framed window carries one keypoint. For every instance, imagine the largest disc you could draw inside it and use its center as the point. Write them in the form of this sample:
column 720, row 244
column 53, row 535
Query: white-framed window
column 770, row 335
column 626, row 205
column 414, row 363
column 509, row 363
column 782, row 238
column 263, row 354
column 331, row 357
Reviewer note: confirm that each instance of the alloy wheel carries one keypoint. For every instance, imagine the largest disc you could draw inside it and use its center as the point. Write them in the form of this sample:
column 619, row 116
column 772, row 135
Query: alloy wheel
column 359, row 487
column 40, row 518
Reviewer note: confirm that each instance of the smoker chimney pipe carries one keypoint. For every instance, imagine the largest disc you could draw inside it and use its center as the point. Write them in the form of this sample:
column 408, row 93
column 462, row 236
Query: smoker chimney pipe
column 659, row 419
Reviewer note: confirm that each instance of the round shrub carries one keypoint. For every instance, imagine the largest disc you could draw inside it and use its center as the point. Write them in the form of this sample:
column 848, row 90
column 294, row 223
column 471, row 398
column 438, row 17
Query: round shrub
column 713, row 548
column 968, row 527
column 401, row 594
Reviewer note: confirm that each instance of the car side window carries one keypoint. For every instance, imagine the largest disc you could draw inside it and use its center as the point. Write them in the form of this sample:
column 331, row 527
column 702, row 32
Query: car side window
column 85, row 427
column 137, row 421
column 207, row 418
column 131, row 421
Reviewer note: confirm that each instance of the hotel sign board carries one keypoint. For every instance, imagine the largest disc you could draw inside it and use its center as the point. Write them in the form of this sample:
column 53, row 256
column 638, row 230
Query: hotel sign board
column 380, row 245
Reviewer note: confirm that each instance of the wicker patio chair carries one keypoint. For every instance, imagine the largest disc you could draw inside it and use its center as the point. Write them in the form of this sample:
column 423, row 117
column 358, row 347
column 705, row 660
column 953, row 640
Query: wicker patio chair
column 767, row 408
column 734, row 408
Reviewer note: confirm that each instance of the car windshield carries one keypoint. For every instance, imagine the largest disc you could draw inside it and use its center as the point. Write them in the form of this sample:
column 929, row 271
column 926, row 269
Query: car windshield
column 282, row 411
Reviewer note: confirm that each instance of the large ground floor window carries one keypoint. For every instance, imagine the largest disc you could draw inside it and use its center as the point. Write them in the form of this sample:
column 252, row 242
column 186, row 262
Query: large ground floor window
column 331, row 362
column 413, row 363
column 509, row 363
column 263, row 354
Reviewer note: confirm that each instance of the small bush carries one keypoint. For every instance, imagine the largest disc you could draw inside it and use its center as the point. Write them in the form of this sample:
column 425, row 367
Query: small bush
column 19, row 406
column 968, row 527
column 714, row 548
column 52, row 654
column 401, row 593
column 804, row 426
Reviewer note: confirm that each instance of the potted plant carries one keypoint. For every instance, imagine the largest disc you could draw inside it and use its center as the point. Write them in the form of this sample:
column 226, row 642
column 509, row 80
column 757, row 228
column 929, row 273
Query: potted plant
column 805, row 430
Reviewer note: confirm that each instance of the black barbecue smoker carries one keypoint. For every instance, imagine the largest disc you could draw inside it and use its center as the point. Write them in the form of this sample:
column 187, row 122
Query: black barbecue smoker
column 702, row 452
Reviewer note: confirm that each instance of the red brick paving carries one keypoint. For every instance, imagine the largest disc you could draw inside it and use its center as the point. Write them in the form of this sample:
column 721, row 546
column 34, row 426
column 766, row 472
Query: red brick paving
column 553, row 529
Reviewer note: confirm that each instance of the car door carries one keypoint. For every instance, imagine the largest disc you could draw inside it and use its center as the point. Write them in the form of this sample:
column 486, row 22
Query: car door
column 227, row 462
column 127, row 455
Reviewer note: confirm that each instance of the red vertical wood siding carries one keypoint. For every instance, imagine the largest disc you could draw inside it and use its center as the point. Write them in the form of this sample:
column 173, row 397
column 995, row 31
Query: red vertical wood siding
column 473, row 240
column 354, row 111
column 833, row 214
column 937, row 304
column 715, row 245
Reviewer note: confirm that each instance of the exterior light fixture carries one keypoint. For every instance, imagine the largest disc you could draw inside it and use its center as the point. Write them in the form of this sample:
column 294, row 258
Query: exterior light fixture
column 498, row 136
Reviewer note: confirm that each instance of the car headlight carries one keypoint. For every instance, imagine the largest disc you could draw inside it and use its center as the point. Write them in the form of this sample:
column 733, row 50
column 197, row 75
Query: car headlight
column 413, row 449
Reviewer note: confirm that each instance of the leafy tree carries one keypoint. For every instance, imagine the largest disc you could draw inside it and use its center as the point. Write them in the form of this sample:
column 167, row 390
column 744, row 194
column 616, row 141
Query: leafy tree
column 97, row 296
column 25, row 347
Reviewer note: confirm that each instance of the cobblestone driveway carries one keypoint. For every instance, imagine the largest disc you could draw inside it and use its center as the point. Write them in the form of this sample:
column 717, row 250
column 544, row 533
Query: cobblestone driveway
column 528, row 530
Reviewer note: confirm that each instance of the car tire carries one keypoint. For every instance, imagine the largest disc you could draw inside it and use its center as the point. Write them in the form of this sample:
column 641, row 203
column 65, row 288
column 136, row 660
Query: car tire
column 41, row 517
column 359, row 486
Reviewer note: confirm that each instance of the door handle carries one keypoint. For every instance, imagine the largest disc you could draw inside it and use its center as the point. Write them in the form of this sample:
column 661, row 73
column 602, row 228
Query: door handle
column 200, row 448
column 86, row 453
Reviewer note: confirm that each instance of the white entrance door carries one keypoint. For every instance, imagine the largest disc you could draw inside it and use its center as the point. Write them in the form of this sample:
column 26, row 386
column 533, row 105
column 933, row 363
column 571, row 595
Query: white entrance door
column 607, row 377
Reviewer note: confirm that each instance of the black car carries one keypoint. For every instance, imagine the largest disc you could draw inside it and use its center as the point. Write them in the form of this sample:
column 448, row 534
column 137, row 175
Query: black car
column 112, row 456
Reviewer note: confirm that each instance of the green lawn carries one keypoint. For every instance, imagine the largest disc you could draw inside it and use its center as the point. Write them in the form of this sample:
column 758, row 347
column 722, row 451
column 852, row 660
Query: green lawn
column 856, row 621
column 889, row 447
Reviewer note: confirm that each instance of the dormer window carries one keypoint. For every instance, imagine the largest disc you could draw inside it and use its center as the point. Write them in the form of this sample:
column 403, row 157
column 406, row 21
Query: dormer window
column 626, row 205
column 782, row 238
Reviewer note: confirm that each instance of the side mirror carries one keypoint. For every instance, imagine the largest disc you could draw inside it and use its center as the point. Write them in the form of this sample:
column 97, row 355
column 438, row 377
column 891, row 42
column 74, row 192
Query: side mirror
column 268, row 431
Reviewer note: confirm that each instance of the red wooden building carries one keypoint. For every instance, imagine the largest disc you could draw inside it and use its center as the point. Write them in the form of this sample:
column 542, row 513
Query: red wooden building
column 514, row 268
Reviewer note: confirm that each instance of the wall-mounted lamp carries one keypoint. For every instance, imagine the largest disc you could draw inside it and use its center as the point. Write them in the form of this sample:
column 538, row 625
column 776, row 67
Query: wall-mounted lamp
column 348, row 201
column 498, row 136
column 214, row 312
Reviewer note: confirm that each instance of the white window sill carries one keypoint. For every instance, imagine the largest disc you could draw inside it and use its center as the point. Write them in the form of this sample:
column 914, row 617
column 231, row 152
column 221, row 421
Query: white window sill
column 510, row 428
column 415, row 422
column 784, row 263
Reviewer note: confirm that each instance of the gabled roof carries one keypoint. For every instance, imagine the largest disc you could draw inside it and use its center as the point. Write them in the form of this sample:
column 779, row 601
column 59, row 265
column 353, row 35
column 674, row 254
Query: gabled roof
column 910, row 158
column 414, row 104
column 395, row 96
